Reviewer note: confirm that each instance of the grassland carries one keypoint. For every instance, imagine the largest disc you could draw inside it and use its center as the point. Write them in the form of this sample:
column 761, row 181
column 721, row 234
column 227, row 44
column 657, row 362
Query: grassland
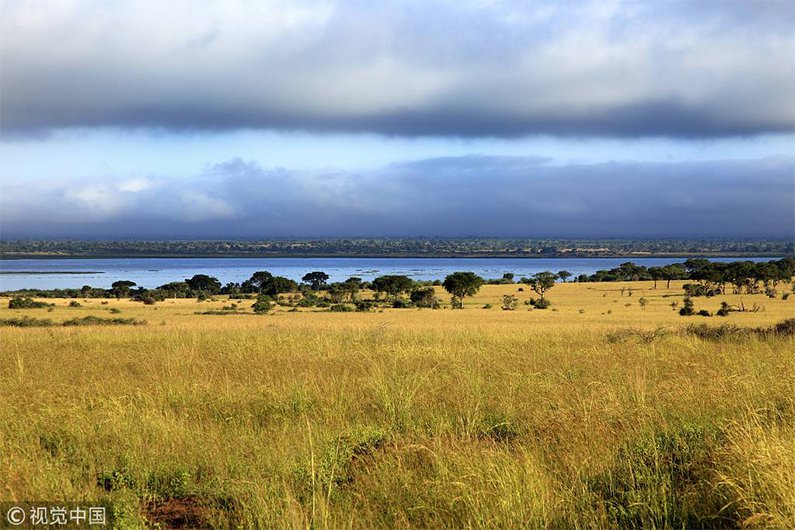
column 406, row 418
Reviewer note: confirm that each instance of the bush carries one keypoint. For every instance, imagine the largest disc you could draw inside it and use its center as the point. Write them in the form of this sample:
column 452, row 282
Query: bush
column 263, row 304
column 364, row 305
column 688, row 309
column 401, row 304
column 425, row 297
column 19, row 302
column 99, row 321
column 26, row 322
column 704, row 313
column 487, row 306
column 75, row 303
column 509, row 302
column 340, row 308
column 540, row 303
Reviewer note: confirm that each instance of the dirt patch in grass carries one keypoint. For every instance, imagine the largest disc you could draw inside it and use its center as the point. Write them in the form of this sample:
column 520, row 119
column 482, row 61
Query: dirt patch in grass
column 182, row 512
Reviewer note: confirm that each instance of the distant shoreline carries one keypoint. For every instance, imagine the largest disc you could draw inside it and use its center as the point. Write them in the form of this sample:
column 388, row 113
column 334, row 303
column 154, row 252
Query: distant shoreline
column 15, row 257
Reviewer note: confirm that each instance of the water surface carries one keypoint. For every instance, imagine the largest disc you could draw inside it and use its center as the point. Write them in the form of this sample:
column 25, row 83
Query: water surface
column 153, row 272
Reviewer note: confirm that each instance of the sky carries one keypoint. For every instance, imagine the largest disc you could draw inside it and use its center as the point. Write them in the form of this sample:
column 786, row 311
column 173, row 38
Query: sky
column 302, row 118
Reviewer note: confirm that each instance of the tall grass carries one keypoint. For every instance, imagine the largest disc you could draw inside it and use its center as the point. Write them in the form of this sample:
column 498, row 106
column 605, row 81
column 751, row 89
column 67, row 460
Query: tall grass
column 406, row 418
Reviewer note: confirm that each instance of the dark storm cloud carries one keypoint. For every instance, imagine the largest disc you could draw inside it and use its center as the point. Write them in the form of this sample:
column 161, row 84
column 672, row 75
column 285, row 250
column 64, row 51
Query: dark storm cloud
column 469, row 69
column 460, row 196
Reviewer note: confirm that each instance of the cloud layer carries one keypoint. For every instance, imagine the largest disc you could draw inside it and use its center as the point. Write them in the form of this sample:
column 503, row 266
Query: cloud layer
column 473, row 195
column 450, row 68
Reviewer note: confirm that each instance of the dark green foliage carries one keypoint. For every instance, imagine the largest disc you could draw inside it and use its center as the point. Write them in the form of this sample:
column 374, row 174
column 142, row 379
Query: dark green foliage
column 204, row 283
column 341, row 308
column 121, row 288
column 563, row 275
column 19, row 302
column 263, row 304
column 316, row 280
column 400, row 303
column 364, row 305
column 539, row 303
column 308, row 300
column 75, row 303
column 393, row 285
column 687, row 309
column 704, row 313
column 99, row 321
column 441, row 247
column 784, row 329
column 540, row 282
column 424, row 297
column 460, row 285
column 26, row 322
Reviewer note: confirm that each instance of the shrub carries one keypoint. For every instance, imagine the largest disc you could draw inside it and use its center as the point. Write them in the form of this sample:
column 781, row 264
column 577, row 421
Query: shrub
column 19, row 302
column 487, row 306
column 688, row 309
column 75, row 303
column 540, row 303
column 704, row 313
column 263, row 304
column 724, row 310
column 364, row 305
column 99, row 321
column 340, row 308
column 509, row 302
column 401, row 304
column 26, row 322
column 424, row 297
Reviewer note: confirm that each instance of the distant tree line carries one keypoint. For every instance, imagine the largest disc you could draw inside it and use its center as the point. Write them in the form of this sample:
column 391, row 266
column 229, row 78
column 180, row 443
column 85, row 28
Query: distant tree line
column 708, row 279
column 711, row 278
column 375, row 247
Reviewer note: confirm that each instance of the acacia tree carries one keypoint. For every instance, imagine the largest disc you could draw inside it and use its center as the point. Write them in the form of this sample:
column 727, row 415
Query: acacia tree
column 204, row 283
column 392, row 284
column 121, row 288
column 541, row 282
column 316, row 280
column 256, row 282
column 350, row 287
column 674, row 271
column 460, row 285
column 563, row 275
column 656, row 273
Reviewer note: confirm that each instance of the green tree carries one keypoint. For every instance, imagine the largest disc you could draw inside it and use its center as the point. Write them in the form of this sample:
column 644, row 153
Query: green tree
column 392, row 285
column 316, row 280
column 121, row 288
column 461, row 285
column 204, row 283
column 541, row 282
column 256, row 282
column 277, row 285
column 424, row 297
column 563, row 275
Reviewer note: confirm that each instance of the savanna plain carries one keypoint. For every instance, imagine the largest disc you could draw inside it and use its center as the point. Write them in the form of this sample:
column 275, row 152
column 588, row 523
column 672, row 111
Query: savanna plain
column 595, row 413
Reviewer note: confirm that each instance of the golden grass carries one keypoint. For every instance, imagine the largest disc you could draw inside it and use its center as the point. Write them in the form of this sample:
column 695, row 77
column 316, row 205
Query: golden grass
column 406, row 417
